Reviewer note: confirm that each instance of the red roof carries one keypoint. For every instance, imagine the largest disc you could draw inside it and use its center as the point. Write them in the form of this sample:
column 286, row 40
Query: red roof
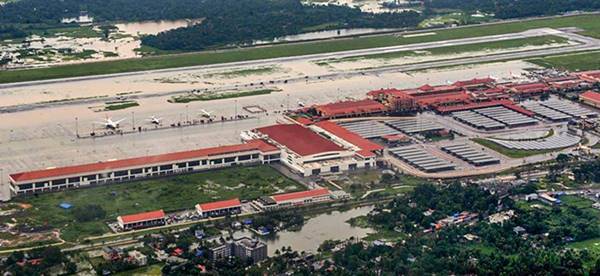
column 303, row 121
column 474, row 81
column 299, row 139
column 140, row 217
column 299, row 195
column 350, row 107
column 590, row 96
column 443, row 98
column 205, row 207
column 391, row 92
column 349, row 136
column 535, row 87
column 260, row 145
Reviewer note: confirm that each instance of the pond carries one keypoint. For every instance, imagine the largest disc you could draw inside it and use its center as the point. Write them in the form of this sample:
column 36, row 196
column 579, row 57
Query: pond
column 316, row 230
column 154, row 27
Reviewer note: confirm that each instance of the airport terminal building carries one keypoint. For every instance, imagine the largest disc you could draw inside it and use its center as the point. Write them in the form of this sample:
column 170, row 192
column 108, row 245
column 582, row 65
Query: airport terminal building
column 115, row 171
column 308, row 153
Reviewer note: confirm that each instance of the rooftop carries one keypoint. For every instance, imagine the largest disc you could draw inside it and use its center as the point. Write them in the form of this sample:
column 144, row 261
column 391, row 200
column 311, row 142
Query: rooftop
column 205, row 207
column 350, row 107
column 152, row 215
column 302, row 194
column 591, row 96
column 299, row 139
column 474, row 81
column 349, row 136
column 260, row 145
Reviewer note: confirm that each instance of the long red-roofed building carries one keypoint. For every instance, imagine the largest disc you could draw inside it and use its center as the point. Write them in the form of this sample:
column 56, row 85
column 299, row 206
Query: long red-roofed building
column 219, row 208
column 589, row 76
column 52, row 179
column 349, row 109
column 308, row 153
column 590, row 98
column 528, row 90
column 141, row 220
column 294, row 199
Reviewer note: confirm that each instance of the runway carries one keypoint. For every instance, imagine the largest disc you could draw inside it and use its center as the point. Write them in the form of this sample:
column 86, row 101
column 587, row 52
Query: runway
column 39, row 137
column 341, row 54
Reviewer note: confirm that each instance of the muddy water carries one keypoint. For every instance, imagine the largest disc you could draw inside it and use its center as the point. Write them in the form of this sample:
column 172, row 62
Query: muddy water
column 328, row 226
column 324, row 35
column 154, row 27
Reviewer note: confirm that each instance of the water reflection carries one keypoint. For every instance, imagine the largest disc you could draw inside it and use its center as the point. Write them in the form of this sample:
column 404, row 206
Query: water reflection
column 154, row 27
column 329, row 226
column 322, row 35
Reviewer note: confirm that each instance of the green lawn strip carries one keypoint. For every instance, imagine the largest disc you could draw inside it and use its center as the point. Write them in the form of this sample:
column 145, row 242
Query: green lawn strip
column 591, row 245
column 512, row 153
column 590, row 23
column 572, row 62
column 119, row 106
column 151, row 270
column 219, row 96
column 244, row 72
column 497, row 45
column 74, row 32
column 171, row 194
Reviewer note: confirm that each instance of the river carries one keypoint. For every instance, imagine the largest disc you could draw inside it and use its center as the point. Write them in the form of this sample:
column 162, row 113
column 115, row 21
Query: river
column 316, row 230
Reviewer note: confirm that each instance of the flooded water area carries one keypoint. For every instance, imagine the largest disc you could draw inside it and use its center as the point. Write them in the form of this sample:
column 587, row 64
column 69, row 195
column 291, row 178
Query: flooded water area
column 316, row 230
column 324, row 35
column 85, row 43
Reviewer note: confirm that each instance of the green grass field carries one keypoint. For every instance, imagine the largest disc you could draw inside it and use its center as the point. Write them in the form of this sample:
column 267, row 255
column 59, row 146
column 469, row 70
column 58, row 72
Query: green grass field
column 476, row 47
column 170, row 194
column 512, row 153
column 119, row 106
column 589, row 23
column 219, row 96
column 573, row 62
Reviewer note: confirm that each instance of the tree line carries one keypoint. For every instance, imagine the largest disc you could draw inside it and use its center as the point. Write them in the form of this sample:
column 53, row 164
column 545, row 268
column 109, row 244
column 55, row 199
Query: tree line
column 505, row 9
column 245, row 21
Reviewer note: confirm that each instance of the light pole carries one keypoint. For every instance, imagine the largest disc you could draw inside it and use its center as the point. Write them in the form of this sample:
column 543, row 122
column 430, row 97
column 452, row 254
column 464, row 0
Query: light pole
column 235, row 116
column 77, row 127
column 133, row 120
column 187, row 118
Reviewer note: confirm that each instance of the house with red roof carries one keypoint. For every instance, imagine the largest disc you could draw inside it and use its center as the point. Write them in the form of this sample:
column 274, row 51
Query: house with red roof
column 590, row 98
column 308, row 152
column 219, row 208
column 114, row 171
column 141, row 220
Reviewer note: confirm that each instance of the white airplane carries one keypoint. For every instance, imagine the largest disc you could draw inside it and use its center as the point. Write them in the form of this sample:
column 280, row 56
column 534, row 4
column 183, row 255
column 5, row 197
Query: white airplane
column 205, row 114
column 300, row 104
column 154, row 120
column 110, row 124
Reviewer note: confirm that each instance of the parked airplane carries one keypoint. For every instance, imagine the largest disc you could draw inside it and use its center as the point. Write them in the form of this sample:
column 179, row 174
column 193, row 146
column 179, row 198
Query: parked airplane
column 110, row 124
column 154, row 120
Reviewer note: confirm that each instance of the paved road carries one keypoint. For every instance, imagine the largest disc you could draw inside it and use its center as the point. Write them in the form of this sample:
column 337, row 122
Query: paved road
column 381, row 50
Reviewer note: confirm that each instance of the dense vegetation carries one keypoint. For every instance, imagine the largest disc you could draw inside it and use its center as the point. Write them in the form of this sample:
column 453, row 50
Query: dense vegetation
column 496, row 249
column 244, row 21
column 52, row 11
column 516, row 8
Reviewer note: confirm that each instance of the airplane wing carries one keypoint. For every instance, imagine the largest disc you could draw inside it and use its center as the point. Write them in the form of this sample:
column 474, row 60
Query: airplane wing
column 119, row 121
